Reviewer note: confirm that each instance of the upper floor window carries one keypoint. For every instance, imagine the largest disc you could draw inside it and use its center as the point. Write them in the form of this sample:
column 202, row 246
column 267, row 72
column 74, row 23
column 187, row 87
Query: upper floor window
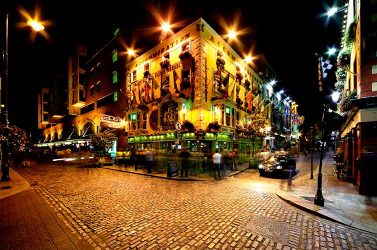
column 116, row 31
column 98, row 86
column 115, row 96
column 115, row 55
column 92, row 90
column 133, row 76
column 115, row 77
column 138, row 120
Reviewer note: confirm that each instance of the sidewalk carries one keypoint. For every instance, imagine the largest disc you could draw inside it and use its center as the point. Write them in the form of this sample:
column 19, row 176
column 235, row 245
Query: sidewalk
column 15, row 185
column 342, row 202
column 28, row 222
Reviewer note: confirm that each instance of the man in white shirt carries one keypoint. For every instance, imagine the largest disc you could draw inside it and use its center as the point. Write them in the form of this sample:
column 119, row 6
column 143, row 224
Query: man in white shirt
column 216, row 157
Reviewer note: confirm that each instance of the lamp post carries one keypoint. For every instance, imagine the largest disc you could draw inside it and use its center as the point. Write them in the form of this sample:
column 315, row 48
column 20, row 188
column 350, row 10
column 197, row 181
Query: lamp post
column 5, row 152
column 311, row 158
column 4, row 110
column 318, row 199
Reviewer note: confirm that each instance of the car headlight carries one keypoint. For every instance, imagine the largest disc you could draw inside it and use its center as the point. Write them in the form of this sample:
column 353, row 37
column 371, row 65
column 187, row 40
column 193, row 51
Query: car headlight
column 260, row 166
column 279, row 167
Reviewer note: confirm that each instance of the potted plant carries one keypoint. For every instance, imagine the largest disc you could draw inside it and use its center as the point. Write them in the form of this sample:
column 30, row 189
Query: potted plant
column 102, row 143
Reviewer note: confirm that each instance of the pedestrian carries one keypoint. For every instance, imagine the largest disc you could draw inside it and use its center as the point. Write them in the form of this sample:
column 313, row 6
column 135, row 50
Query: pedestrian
column 235, row 159
column 184, row 155
column 216, row 157
column 226, row 159
column 290, row 176
column 148, row 160
column 133, row 158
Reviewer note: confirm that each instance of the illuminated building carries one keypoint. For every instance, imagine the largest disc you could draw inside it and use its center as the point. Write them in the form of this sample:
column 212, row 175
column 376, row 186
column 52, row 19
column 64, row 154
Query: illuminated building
column 192, row 90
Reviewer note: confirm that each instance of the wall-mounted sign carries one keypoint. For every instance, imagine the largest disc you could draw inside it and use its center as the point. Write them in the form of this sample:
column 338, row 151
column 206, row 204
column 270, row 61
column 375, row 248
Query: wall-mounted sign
column 111, row 121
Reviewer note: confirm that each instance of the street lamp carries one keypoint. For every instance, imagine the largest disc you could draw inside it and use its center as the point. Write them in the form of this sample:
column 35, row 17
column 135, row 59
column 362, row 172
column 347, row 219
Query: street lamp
column 37, row 26
column 318, row 199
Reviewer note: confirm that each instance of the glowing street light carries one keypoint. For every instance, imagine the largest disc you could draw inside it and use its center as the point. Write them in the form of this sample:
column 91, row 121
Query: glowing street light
column 335, row 96
column 35, row 25
column 332, row 11
column 232, row 35
column 131, row 52
column 166, row 27
column 248, row 59
column 331, row 51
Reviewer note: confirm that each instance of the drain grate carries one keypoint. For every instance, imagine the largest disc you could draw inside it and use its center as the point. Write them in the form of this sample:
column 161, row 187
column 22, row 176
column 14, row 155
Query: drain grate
column 5, row 187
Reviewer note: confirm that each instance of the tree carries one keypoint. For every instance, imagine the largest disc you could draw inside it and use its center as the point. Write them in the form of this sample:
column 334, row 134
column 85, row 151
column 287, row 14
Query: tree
column 102, row 142
column 15, row 137
column 13, row 141
column 254, row 128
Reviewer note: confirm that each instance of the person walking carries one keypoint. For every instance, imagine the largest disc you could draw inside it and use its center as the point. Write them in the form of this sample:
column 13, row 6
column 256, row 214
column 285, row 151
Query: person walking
column 148, row 160
column 234, row 159
column 216, row 157
column 184, row 155
column 133, row 158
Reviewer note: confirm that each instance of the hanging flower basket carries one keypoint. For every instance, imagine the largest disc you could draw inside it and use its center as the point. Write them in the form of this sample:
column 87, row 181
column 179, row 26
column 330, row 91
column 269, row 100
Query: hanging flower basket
column 344, row 57
column 165, row 64
column 339, row 86
column 341, row 74
column 350, row 34
column 346, row 101
column 220, row 62
column 239, row 101
column 213, row 127
column 189, row 126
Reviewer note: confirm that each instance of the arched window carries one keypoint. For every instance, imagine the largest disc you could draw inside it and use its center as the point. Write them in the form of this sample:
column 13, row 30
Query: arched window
column 115, row 55
column 115, row 77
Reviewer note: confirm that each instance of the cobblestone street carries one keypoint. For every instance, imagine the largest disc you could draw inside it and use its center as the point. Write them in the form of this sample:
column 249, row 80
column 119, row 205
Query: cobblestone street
column 112, row 209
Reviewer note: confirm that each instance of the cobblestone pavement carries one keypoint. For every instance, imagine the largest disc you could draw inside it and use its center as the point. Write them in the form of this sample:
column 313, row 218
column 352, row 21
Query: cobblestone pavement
column 113, row 210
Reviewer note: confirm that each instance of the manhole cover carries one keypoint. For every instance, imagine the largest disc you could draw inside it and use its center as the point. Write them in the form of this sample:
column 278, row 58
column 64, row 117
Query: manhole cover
column 267, row 227
column 309, row 198
column 5, row 187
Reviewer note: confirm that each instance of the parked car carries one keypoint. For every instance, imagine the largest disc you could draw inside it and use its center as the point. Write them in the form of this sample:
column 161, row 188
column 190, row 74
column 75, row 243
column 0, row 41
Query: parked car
column 280, row 164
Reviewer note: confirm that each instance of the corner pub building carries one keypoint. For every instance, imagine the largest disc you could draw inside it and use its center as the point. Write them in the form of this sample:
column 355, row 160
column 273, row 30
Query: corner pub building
column 191, row 90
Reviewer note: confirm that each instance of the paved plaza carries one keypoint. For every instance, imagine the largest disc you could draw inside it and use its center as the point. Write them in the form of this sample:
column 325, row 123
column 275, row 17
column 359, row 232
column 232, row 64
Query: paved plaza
column 98, row 208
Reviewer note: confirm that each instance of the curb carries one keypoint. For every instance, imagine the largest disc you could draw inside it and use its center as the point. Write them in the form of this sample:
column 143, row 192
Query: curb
column 310, row 210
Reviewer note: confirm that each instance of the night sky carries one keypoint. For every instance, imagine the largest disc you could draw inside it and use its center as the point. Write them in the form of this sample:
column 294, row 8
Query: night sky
column 286, row 33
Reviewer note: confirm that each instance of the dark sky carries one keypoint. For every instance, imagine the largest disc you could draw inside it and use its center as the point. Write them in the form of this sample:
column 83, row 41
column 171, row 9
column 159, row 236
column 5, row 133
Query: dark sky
column 286, row 33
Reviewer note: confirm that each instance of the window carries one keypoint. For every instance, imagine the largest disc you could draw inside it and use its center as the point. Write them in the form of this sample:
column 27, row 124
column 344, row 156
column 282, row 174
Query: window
column 87, row 108
column 138, row 120
column 45, row 117
column 374, row 69
column 115, row 96
column 115, row 55
column 116, row 31
column 229, row 116
column 92, row 90
column 98, row 86
column 133, row 76
column 142, row 120
column 81, row 95
column 45, row 107
column 106, row 100
column 46, row 97
column 115, row 77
